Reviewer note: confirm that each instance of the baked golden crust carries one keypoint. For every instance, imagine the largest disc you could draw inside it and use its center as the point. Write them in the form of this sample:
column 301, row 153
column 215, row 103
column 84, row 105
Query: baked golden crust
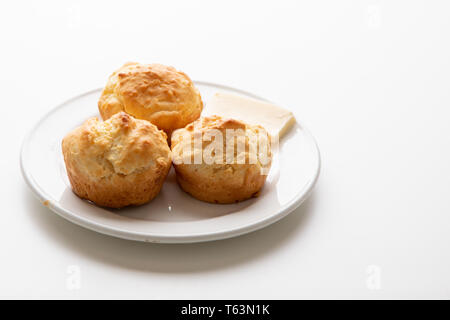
column 119, row 162
column 222, row 180
column 154, row 92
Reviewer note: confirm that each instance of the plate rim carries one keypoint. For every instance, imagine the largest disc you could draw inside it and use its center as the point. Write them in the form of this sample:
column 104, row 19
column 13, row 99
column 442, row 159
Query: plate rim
column 72, row 216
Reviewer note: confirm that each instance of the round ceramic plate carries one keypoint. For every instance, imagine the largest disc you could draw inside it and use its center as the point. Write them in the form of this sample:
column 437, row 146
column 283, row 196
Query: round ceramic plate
column 173, row 216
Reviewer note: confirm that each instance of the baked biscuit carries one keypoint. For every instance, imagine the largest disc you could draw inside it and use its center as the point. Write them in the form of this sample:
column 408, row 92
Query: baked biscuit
column 119, row 162
column 221, row 160
column 154, row 92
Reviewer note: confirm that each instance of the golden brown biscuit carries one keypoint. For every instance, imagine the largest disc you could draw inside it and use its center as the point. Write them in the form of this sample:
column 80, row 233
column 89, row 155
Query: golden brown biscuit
column 154, row 92
column 215, row 169
column 119, row 162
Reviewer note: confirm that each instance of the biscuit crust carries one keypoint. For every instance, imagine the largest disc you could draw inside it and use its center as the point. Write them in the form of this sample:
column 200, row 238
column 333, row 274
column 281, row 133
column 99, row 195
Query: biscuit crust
column 225, row 182
column 116, row 163
column 154, row 92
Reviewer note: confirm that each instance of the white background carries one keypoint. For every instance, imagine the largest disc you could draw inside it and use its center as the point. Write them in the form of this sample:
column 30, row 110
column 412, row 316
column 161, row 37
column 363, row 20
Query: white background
column 370, row 79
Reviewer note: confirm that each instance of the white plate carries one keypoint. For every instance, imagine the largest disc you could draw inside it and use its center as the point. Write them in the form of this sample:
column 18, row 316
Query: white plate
column 173, row 216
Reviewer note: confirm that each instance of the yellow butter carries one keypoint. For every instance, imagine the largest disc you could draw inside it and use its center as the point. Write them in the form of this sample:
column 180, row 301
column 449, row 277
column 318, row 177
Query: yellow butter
column 276, row 120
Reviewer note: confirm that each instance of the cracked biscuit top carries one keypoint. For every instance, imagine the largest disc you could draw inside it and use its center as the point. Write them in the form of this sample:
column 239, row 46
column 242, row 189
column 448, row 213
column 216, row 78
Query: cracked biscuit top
column 154, row 92
column 121, row 145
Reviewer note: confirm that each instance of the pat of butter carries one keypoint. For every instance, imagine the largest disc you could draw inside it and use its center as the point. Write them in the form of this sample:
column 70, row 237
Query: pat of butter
column 276, row 120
